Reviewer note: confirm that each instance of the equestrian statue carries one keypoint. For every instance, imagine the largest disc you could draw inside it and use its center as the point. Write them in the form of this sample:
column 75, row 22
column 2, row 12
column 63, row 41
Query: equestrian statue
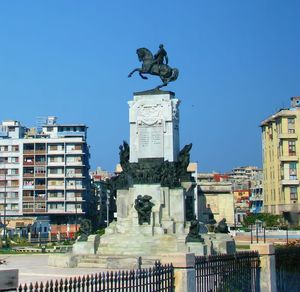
column 155, row 65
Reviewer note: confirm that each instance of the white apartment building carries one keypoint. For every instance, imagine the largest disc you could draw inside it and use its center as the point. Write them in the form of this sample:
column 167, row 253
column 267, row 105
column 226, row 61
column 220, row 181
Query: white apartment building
column 44, row 172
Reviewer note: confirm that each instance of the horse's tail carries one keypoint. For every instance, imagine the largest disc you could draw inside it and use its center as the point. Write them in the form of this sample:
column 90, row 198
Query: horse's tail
column 175, row 73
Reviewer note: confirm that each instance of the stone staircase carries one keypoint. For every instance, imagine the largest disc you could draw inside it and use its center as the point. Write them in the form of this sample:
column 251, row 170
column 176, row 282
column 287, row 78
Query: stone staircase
column 115, row 262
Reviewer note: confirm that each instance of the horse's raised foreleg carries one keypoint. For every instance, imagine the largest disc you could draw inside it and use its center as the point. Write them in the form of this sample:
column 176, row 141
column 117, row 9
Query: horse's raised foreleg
column 137, row 70
column 131, row 73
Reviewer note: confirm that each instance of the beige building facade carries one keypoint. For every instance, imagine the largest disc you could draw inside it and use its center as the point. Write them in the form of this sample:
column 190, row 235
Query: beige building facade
column 215, row 198
column 281, row 153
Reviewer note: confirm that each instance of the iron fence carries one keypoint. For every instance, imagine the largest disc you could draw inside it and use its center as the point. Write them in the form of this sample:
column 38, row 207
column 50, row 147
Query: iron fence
column 158, row 278
column 237, row 272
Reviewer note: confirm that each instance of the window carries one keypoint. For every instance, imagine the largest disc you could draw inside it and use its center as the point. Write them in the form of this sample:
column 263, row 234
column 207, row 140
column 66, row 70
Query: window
column 53, row 147
column 14, row 171
column 292, row 148
column 291, row 125
column 293, row 170
column 55, row 194
column 56, row 206
column 14, row 207
column 27, row 205
column 11, row 129
column 40, row 170
column 14, row 159
column 15, row 148
column 3, row 171
column 14, row 183
column 3, row 159
column 293, row 193
column 14, row 195
column 55, row 170
column 3, row 148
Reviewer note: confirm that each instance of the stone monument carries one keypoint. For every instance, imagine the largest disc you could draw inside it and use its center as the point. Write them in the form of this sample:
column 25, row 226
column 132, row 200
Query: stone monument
column 154, row 191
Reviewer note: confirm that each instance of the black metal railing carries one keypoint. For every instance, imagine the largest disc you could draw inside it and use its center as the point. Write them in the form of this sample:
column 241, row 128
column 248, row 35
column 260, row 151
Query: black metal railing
column 158, row 278
column 237, row 272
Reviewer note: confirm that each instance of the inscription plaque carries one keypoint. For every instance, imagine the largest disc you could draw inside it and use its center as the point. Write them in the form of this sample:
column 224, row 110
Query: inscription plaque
column 150, row 141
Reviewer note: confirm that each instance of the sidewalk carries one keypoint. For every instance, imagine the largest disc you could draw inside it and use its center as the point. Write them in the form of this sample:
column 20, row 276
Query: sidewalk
column 34, row 268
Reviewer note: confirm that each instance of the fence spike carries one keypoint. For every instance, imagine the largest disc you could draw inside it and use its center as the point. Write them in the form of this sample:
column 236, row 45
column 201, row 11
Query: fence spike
column 30, row 287
column 36, row 287
column 20, row 288
column 47, row 285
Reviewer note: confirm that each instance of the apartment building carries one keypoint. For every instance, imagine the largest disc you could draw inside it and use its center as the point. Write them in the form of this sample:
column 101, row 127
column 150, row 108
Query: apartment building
column 281, row 152
column 44, row 170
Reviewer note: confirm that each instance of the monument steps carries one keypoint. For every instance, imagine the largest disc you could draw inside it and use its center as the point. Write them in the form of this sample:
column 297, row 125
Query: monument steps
column 116, row 262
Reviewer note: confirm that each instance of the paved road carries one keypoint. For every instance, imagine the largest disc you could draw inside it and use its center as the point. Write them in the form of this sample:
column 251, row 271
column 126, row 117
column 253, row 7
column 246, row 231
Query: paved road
column 33, row 268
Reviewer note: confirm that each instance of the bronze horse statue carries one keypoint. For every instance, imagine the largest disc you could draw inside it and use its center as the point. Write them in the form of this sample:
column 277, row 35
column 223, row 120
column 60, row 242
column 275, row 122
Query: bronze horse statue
column 150, row 66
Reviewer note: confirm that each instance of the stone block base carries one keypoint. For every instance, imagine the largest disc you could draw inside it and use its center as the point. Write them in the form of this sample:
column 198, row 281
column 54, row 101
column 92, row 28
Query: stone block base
column 63, row 260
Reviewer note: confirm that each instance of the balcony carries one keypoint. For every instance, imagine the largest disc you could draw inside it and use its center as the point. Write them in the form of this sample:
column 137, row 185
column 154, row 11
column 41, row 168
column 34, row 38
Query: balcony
column 40, row 152
column 28, row 198
column 40, row 187
column 28, row 163
column 39, row 174
column 40, row 210
column 56, row 152
column 56, row 163
column 56, row 211
column 28, row 174
column 74, row 163
column 288, row 136
column 74, row 151
column 74, row 211
column 40, row 198
column 74, row 187
column 290, row 182
column 288, row 158
column 28, row 187
column 26, row 211
column 56, row 187
column 56, row 175
column 56, row 199
column 74, row 199
column 27, row 152
column 42, row 163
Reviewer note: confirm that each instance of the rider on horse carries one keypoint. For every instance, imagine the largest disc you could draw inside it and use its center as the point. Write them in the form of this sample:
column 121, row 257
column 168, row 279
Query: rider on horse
column 160, row 56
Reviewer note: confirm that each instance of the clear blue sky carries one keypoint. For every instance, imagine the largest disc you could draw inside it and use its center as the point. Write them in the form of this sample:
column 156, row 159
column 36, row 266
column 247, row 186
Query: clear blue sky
column 239, row 62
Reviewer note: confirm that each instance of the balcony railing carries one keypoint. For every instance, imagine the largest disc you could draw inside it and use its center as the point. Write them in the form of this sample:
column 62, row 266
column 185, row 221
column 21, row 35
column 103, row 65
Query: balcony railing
column 40, row 210
column 28, row 198
column 28, row 210
column 290, row 182
column 28, row 163
column 40, row 152
column 28, row 152
column 288, row 158
column 40, row 163
column 287, row 136
column 28, row 175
